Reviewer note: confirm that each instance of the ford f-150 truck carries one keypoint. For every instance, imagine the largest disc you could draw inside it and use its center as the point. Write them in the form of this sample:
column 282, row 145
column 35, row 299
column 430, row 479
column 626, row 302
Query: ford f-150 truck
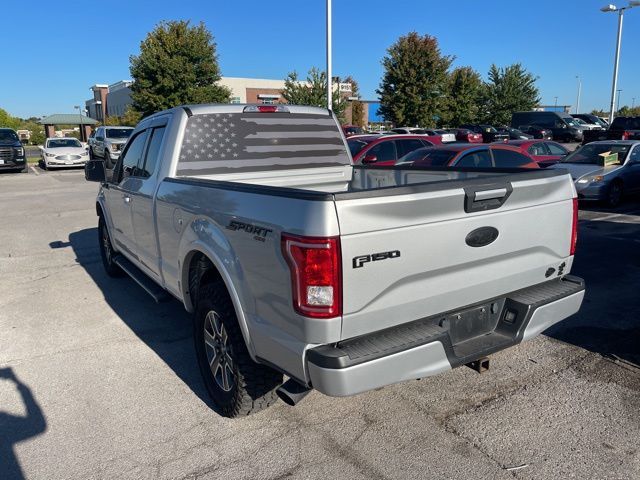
column 343, row 278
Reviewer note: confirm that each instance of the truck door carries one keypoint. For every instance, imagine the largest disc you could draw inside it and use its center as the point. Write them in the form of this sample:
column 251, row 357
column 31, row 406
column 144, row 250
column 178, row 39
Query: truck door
column 118, row 194
column 142, row 201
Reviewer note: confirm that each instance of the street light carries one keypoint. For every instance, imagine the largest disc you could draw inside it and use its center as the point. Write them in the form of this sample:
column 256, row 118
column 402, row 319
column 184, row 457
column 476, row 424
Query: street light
column 616, row 62
column 619, row 90
column 579, row 88
column 555, row 104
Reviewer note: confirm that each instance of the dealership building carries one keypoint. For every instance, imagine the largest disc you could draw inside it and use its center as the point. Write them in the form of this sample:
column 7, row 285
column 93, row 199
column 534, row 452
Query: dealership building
column 112, row 100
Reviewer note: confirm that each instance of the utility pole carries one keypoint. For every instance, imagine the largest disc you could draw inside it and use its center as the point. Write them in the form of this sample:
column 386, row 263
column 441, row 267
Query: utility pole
column 579, row 89
column 329, row 73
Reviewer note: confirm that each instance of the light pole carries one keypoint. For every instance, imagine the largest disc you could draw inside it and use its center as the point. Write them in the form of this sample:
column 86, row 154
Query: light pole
column 579, row 89
column 618, row 108
column 555, row 103
column 633, row 103
column 329, row 77
column 81, row 129
column 616, row 61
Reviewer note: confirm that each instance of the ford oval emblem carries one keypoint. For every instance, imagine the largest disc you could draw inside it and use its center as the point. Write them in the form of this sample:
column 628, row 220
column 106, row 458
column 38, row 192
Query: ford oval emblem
column 482, row 236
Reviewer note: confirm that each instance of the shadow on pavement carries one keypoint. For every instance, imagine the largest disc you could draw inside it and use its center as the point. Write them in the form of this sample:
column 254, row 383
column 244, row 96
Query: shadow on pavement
column 166, row 327
column 608, row 258
column 17, row 428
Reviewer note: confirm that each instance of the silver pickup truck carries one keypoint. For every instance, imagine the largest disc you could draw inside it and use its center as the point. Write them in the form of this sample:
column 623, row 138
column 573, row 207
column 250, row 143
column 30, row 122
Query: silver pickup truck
column 343, row 278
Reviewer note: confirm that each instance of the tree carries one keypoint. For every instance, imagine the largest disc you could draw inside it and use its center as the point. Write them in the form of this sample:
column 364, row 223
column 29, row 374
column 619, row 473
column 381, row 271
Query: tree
column 357, row 107
column 414, row 81
column 37, row 132
column 600, row 113
column 111, row 121
column 312, row 92
column 177, row 65
column 626, row 111
column 463, row 98
column 510, row 89
column 131, row 117
column 7, row 120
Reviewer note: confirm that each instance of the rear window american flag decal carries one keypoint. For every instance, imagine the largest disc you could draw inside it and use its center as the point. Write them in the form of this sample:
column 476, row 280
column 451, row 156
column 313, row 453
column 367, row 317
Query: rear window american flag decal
column 235, row 142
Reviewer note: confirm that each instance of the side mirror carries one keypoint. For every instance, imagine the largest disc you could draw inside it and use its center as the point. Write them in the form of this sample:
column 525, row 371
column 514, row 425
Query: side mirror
column 369, row 159
column 94, row 171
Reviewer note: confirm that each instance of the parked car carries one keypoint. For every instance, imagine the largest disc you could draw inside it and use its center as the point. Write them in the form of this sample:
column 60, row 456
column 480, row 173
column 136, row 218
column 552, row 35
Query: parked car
column 592, row 121
column 63, row 152
column 586, row 126
column 622, row 128
column 562, row 125
column 544, row 152
column 350, row 130
column 445, row 136
column 323, row 276
column 386, row 149
column 489, row 133
column 108, row 142
column 12, row 154
column 605, row 170
column 514, row 133
column 467, row 136
column 475, row 156
column 536, row 132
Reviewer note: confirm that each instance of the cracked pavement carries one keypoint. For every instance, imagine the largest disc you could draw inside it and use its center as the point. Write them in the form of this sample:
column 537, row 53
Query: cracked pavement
column 114, row 390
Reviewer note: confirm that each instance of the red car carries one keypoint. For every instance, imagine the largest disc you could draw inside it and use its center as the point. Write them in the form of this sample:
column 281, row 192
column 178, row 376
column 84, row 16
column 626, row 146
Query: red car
column 467, row 136
column 387, row 149
column 545, row 152
column 351, row 130
column 476, row 156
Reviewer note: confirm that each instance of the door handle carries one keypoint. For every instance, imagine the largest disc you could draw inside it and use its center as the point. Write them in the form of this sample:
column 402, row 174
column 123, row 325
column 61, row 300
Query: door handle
column 126, row 198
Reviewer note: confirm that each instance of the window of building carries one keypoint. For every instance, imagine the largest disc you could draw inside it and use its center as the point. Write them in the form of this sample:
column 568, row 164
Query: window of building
column 268, row 101
column 235, row 99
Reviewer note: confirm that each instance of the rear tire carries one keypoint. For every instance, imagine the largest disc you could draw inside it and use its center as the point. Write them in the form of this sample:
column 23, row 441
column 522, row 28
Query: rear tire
column 106, row 250
column 237, row 385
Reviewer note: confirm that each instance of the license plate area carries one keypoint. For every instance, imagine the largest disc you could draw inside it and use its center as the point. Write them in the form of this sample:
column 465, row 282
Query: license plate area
column 473, row 322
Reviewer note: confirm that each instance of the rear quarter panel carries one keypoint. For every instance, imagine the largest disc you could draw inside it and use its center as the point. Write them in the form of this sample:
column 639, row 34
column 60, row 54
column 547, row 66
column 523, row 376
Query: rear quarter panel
column 194, row 217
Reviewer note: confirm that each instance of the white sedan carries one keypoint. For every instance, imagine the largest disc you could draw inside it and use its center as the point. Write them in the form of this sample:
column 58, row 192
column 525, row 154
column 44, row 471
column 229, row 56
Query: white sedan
column 63, row 152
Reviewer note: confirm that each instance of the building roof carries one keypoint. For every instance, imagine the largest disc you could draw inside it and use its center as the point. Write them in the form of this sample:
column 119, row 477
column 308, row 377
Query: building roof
column 67, row 119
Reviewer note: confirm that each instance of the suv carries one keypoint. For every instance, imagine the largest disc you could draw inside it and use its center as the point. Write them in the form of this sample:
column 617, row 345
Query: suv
column 562, row 125
column 12, row 156
column 107, row 142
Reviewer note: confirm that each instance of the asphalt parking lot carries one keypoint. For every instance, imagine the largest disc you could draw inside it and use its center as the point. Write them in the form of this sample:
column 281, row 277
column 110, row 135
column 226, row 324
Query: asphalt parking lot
column 98, row 381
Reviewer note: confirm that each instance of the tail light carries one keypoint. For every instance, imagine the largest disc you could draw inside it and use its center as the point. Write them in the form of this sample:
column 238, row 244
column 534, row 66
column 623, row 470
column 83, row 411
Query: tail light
column 574, row 228
column 316, row 274
column 265, row 109
column 626, row 135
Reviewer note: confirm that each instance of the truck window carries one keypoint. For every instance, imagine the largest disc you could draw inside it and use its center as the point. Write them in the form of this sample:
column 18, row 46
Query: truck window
column 216, row 143
column 131, row 157
column 153, row 152
column 477, row 159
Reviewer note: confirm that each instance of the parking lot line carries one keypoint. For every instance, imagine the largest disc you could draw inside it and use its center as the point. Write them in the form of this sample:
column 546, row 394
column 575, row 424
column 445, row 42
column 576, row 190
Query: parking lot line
column 33, row 169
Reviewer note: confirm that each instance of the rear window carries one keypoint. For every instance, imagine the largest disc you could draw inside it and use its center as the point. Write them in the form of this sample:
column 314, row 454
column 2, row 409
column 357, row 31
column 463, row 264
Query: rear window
column 509, row 159
column 626, row 123
column 218, row 143
column 429, row 157
column 356, row 146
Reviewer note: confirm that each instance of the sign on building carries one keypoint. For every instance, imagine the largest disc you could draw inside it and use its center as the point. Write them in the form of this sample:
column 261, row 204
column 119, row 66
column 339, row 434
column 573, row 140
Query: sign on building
column 345, row 88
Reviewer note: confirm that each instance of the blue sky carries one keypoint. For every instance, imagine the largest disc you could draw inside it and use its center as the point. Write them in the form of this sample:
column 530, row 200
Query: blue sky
column 556, row 40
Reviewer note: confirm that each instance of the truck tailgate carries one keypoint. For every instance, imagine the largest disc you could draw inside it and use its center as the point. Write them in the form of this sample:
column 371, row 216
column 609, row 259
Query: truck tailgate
column 412, row 255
